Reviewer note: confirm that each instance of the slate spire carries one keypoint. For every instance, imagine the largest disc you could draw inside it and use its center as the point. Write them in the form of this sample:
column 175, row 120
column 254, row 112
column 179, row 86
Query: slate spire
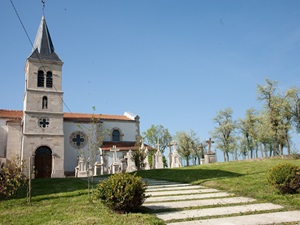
column 43, row 47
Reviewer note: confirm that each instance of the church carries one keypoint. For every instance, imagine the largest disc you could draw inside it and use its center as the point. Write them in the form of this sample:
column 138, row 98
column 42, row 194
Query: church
column 54, row 140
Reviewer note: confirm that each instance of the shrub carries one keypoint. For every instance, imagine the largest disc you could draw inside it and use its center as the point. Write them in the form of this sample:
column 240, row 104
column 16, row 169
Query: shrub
column 11, row 178
column 285, row 178
column 122, row 192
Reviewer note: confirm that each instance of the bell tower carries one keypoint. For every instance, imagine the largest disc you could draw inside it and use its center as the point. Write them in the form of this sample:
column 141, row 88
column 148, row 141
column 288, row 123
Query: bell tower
column 43, row 136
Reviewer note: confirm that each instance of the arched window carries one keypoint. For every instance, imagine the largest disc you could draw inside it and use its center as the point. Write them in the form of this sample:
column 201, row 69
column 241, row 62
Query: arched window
column 40, row 80
column 49, row 80
column 45, row 102
column 116, row 135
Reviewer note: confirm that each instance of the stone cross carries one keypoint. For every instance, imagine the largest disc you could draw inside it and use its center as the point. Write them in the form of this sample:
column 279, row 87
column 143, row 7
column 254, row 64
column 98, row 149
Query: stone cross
column 101, row 155
column 209, row 142
column 174, row 144
column 158, row 145
column 115, row 150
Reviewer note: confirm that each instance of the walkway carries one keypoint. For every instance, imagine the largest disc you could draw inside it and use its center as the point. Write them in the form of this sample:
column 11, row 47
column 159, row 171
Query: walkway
column 184, row 204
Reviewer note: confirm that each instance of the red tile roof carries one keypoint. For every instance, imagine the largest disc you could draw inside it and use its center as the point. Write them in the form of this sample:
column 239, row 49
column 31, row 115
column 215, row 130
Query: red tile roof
column 121, row 145
column 84, row 116
column 11, row 114
column 17, row 114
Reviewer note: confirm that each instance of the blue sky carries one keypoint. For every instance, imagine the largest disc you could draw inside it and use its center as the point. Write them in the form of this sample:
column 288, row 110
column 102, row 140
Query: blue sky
column 175, row 63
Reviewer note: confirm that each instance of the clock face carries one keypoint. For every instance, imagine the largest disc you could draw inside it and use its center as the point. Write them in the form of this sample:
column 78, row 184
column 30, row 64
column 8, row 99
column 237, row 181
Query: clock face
column 78, row 139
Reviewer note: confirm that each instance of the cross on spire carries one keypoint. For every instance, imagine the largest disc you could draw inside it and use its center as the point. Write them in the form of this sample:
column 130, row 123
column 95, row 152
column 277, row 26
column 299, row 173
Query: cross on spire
column 43, row 3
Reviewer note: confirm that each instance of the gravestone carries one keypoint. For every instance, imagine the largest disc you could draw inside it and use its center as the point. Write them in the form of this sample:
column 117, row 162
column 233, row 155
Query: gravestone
column 115, row 167
column 175, row 163
column 210, row 156
column 99, row 165
column 170, row 155
column 130, row 162
column 146, row 160
column 159, row 164
column 81, row 168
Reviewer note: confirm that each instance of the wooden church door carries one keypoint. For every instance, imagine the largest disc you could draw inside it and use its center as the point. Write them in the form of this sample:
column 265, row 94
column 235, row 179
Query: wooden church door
column 43, row 162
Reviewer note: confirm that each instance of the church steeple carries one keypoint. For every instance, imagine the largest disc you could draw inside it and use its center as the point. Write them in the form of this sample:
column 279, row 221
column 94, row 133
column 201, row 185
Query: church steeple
column 43, row 122
column 43, row 47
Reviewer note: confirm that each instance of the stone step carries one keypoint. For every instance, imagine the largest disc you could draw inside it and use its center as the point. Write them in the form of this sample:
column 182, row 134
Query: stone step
column 265, row 218
column 158, row 182
column 173, row 188
column 197, row 203
column 181, row 192
column 170, row 186
column 186, row 197
column 226, row 210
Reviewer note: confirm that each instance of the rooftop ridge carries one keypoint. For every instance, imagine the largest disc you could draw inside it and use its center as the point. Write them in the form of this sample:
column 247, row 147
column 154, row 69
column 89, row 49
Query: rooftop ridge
column 17, row 113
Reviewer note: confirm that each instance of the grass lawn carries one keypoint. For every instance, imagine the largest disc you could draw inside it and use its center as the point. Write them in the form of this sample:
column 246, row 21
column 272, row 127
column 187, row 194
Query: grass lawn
column 65, row 201
column 243, row 178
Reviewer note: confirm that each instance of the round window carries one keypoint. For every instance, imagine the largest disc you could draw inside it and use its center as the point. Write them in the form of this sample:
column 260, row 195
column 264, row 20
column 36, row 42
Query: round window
column 78, row 139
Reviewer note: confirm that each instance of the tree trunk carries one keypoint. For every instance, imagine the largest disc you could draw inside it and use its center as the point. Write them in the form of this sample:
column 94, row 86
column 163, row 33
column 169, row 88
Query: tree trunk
column 280, row 149
column 288, row 144
column 199, row 159
column 262, row 150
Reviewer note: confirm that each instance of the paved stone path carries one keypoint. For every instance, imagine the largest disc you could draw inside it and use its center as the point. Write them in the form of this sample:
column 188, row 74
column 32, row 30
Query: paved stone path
column 184, row 204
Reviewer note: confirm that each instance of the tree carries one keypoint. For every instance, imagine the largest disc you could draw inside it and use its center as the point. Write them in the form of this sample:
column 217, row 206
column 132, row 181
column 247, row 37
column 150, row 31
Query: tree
column 95, row 136
column 157, row 134
column 11, row 178
column 224, row 132
column 248, row 129
column 294, row 100
column 278, row 111
column 188, row 145
column 139, row 155
column 184, row 146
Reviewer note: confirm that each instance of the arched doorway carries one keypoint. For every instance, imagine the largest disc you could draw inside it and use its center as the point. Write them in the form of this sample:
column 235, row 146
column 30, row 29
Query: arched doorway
column 43, row 162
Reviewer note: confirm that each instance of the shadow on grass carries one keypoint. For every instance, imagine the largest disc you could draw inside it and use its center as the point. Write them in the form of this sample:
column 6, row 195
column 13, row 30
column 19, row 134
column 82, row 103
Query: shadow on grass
column 187, row 175
column 49, row 186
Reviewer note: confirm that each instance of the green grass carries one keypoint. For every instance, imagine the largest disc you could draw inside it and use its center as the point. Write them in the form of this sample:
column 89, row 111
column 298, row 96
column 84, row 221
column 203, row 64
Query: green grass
column 242, row 178
column 65, row 201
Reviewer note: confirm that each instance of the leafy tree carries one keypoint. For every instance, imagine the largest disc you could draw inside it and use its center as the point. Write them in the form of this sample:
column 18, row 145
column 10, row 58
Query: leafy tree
column 278, row 111
column 224, row 132
column 157, row 134
column 188, row 145
column 294, row 100
column 248, row 128
column 11, row 178
column 139, row 155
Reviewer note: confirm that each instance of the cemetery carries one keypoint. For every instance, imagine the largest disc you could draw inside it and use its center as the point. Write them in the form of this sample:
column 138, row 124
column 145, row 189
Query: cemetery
column 126, row 162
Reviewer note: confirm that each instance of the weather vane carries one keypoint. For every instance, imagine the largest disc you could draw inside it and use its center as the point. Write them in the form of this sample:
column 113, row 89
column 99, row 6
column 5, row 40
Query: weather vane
column 43, row 2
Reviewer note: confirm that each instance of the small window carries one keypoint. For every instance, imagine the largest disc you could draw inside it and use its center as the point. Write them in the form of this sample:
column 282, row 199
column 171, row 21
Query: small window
column 40, row 80
column 44, row 122
column 49, row 80
column 116, row 135
column 45, row 102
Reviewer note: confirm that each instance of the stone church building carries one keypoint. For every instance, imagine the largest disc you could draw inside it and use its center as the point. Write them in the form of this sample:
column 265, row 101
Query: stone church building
column 53, row 139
